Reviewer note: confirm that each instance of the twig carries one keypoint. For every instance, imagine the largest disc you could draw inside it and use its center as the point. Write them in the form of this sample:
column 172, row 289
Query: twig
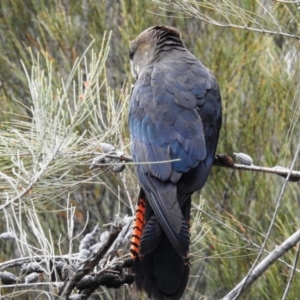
column 288, row 2
column 76, row 274
column 28, row 285
column 242, row 236
column 186, row 8
column 292, row 273
column 278, row 202
column 83, row 276
column 22, row 260
column 264, row 265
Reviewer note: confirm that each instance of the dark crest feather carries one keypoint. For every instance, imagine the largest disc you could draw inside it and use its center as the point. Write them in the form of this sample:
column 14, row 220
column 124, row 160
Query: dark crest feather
column 167, row 38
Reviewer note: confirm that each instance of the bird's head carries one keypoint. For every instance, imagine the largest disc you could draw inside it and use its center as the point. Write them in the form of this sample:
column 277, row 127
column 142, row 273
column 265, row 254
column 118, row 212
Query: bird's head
column 151, row 45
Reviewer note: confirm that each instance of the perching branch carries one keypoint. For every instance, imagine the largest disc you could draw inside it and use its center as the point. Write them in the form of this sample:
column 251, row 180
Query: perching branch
column 116, row 158
column 224, row 160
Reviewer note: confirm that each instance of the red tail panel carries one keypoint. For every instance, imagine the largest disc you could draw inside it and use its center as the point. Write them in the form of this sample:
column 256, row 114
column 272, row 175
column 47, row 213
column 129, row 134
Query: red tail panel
column 137, row 228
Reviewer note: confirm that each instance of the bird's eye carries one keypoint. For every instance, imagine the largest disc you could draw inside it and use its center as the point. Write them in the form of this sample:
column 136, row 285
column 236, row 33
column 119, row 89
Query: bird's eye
column 131, row 54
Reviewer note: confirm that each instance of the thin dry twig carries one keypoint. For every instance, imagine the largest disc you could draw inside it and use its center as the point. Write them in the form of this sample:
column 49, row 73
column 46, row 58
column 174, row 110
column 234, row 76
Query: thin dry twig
column 229, row 15
column 243, row 236
column 292, row 274
column 263, row 266
column 271, row 223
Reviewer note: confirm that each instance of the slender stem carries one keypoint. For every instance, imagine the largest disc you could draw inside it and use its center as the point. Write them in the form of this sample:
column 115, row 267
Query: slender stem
column 263, row 266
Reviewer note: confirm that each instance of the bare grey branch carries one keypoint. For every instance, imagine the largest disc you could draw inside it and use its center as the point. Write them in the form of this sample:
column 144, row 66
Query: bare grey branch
column 263, row 266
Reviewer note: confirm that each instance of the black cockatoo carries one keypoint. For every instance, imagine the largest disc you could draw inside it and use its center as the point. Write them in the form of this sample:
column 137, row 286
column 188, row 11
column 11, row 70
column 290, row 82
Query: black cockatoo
column 174, row 119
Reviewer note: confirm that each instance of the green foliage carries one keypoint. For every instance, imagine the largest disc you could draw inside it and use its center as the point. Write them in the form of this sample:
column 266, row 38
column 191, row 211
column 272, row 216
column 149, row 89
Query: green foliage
column 54, row 116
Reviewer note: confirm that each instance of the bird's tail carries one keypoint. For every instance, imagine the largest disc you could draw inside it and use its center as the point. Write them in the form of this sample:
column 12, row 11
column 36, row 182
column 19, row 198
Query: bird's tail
column 161, row 272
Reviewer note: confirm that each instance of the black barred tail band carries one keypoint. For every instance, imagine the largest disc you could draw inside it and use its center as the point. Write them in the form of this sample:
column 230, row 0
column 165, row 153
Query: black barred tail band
column 137, row 228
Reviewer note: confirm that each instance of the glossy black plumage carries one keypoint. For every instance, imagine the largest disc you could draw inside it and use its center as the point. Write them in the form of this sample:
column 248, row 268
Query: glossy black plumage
column 174, row 121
